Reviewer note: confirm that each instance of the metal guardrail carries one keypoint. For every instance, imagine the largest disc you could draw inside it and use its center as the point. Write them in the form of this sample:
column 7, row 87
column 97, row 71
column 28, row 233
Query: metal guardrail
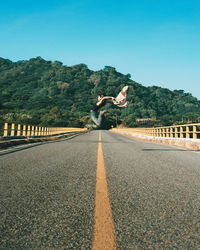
column 18, row 130
column 176, row 131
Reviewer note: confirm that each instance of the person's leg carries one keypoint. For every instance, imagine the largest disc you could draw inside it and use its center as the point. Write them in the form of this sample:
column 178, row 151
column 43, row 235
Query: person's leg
column 120, row 100
column 96, row 120
column 124, row 90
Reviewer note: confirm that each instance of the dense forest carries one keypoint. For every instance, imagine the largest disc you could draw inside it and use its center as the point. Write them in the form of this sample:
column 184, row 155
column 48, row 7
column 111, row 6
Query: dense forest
column 47, row 93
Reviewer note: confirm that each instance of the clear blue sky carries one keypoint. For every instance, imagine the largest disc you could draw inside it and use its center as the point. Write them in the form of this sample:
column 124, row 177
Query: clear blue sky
column 156, row 41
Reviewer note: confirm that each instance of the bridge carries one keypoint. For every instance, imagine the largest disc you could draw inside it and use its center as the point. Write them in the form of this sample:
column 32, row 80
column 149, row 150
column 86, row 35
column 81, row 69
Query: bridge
column 99, row 189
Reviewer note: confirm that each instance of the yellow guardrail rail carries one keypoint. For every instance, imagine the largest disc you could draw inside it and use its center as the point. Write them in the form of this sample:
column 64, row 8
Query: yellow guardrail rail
column 29, row 130
column 176, row 131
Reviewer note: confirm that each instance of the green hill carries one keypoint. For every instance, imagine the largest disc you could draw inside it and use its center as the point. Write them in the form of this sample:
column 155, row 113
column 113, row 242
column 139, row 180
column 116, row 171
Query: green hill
column 42, row 92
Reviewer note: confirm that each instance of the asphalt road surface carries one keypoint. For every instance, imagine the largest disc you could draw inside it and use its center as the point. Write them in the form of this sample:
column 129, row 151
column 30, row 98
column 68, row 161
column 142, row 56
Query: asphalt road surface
column 47, row 194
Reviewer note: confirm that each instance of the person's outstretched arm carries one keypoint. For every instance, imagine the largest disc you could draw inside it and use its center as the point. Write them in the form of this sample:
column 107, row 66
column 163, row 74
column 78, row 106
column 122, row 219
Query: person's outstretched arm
column 104, row 98
column 107, row 97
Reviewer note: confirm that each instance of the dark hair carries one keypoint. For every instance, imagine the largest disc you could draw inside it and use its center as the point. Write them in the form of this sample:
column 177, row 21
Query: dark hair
column 101, row 94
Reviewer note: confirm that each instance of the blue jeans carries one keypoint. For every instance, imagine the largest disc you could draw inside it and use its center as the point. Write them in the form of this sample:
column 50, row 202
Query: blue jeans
column 94, row 118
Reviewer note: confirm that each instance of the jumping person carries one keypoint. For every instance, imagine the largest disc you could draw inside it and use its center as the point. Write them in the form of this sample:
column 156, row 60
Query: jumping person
column 120, row 101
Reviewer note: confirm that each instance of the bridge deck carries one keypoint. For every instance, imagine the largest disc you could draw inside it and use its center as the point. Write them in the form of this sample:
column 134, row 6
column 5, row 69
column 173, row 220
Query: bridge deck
column 48, row 193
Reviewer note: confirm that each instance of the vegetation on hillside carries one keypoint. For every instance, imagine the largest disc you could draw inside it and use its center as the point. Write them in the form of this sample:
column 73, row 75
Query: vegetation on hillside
column 48, row 93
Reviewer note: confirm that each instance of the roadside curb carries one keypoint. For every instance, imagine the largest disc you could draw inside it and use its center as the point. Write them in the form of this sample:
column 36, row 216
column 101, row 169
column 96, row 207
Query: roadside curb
column 180, row 142
column 15, row 142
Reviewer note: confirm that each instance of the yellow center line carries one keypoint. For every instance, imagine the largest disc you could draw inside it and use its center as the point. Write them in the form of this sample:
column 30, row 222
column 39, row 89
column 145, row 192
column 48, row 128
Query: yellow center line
column 104, row 231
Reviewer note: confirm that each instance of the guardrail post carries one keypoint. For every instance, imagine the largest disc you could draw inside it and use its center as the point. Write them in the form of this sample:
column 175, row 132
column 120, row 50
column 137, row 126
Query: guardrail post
column 29, row 130
column 171, row 132
column 12, row 130
column 194, row 134
column 157, row 132
column 176, row 132
column 39, row 131
column 18, row 129
column 181, row 132
column 32, row 130
column 42, row 133
column 24, row 130
column 5, row 132
column 36, row 131
column 163, row 132
column 187, row 132
column 168, row 132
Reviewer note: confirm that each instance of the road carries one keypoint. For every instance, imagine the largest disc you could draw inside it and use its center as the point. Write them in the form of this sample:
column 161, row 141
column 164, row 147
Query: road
column 48, row 194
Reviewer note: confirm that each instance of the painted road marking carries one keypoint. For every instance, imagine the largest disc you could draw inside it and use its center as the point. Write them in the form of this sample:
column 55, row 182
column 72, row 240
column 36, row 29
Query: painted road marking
column 104, row 231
